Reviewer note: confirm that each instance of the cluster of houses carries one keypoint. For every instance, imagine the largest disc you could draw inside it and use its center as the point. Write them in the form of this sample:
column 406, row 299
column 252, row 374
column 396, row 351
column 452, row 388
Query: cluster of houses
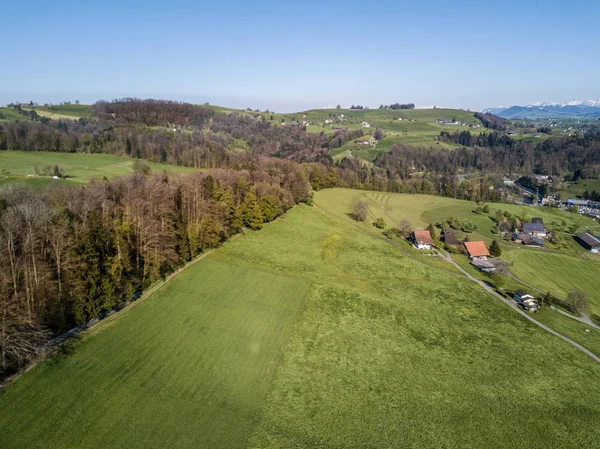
column 531, row 234
column 480, row 259
column 477, row 251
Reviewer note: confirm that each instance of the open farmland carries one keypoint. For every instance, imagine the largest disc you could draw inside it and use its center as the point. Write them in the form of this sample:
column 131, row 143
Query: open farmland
column 310, row 333
column 15, row 166
column 188, row 368
column 64, row 111
column 417, row 127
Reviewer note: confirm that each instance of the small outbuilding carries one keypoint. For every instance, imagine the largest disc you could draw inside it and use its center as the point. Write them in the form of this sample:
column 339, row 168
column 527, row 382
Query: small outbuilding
column 530, row 240
column 422, row 239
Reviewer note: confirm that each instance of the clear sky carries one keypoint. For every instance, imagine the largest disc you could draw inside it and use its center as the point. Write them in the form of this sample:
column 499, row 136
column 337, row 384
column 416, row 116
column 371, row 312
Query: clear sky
column 288, row 56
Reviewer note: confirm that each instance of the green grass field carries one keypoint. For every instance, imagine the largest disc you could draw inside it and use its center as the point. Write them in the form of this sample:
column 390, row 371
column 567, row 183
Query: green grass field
column 66, row 111
column 552, row 270
column 310, row 333
column 194, row 372
column 558, row 273
column 8, row 115
column 78, row 167
column 576, row 189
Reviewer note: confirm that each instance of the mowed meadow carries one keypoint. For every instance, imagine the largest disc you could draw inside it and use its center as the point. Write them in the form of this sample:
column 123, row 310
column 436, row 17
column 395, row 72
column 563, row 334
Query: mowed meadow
column 78, row 168
column 310, row 333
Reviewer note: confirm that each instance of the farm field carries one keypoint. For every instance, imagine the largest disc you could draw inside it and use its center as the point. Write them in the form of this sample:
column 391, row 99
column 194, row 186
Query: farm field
column 8, row 115
column 310, row 333
column 559, row 273
column 189, row 367
column 78, row 167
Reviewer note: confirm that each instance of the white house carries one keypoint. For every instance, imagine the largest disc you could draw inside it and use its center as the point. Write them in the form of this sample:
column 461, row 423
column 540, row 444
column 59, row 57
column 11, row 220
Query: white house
column 525, row 300
column 365, row 125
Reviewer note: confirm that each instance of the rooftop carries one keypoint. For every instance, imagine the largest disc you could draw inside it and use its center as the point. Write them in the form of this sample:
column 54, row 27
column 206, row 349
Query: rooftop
column 477, row 249
column 589, row 239
column 533, row 227
column 423, row 237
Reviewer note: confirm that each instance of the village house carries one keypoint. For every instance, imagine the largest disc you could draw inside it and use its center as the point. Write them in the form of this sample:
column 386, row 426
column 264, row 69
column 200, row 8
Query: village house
column 526, row 300
column 478, row 253
column 589, row 242
column 477, row 250
column 535, row 229
column 422, row 239
column 365, row 125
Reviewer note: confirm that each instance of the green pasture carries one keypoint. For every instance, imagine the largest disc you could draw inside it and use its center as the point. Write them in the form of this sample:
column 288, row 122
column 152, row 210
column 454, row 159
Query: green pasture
column 310, row 333
column 15, row 166
column 190, row 367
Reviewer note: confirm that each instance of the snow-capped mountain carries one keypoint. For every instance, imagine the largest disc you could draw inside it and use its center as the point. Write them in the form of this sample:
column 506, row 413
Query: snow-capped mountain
column 547, row 109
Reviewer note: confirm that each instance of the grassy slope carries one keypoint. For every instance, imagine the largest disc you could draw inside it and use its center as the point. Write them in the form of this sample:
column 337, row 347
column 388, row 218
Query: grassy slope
column 79, row 167
column 557, row 271
column 391, row 353
column 387, row 353
column 188, row 368
column 10, row 116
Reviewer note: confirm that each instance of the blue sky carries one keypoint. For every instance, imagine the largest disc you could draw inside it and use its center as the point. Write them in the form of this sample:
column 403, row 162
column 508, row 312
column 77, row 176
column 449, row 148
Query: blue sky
column 297, row 55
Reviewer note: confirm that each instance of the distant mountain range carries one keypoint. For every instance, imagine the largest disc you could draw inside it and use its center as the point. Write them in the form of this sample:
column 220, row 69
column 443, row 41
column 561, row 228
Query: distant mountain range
column 584, row 109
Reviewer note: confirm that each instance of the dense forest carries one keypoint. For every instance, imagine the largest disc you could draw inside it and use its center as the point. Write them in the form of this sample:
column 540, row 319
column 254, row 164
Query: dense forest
column 70, row 254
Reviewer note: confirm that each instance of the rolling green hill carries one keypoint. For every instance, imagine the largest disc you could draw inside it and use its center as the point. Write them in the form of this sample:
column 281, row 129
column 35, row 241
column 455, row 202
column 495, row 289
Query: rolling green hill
column 555, row 270
column 310, row 333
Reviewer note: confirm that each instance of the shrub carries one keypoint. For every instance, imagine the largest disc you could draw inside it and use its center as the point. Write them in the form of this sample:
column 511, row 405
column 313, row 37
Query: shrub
column 379, row 223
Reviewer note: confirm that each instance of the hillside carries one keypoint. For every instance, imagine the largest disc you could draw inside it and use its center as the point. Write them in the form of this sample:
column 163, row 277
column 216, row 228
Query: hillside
column 545, row 111
column 353, row 343
column 417, row 127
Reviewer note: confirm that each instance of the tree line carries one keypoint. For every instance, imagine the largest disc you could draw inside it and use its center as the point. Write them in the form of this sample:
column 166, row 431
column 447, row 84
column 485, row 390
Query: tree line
column 397, row 106
column 68, row 254
column 497, row 152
